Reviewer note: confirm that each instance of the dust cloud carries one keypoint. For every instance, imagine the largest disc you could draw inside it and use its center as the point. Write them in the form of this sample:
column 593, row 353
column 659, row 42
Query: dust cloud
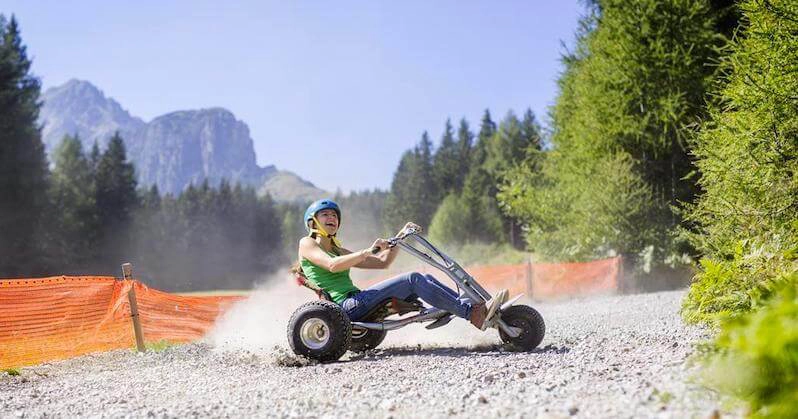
column 258, row 323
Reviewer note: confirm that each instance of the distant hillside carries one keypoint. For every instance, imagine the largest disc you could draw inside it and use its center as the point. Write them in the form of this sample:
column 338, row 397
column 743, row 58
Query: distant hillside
column 173, row 150
column 290, row 187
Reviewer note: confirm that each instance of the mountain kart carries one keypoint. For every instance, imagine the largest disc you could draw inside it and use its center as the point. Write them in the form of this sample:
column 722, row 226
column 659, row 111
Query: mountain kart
column 321, row 330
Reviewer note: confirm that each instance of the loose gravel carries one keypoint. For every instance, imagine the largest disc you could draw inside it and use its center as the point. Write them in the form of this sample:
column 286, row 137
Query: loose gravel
column 613, row 356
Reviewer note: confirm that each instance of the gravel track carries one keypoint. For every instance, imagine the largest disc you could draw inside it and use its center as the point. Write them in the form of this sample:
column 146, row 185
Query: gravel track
column 616, row 356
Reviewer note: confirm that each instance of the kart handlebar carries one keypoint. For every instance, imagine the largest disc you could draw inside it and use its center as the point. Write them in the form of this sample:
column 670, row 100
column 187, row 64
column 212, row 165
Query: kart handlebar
column 393, row 241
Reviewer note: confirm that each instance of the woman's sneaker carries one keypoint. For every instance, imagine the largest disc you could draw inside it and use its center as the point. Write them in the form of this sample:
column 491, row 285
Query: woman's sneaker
column 494, row 304
column 482, row 312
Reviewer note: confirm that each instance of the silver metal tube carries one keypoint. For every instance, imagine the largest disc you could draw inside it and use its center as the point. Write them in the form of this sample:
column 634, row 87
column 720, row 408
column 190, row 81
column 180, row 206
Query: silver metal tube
column 466, row 282
column 424, row 242
column 432, row 314
column 453, row 268
column 419, row 254
column 506, row 328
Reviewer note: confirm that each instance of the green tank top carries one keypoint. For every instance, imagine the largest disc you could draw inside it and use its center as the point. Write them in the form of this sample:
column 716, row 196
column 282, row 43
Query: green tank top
column 337, row 284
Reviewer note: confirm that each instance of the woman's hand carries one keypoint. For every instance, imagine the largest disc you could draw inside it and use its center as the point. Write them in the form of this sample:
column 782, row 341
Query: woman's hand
column 410, row 225
column 381, row 244
column 374, row 261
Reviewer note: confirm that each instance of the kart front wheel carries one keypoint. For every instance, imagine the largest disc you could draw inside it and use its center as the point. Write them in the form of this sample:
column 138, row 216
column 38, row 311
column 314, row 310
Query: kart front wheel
column 529, row 321
column 319, row 330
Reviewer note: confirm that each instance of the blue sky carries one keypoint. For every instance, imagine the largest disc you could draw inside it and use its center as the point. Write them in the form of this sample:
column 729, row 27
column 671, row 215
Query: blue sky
column 333, row 91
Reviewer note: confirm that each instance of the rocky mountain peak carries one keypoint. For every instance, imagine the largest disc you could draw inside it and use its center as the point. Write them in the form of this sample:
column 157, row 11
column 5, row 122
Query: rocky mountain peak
column 79, row 107
column 186, row 147
column 173, row 150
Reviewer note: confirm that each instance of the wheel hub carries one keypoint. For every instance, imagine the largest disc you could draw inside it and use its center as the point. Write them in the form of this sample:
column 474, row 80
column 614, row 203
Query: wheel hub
column 315, row 333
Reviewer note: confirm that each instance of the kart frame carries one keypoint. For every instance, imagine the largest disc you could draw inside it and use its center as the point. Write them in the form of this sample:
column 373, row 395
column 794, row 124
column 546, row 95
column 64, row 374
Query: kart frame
column 466, row 284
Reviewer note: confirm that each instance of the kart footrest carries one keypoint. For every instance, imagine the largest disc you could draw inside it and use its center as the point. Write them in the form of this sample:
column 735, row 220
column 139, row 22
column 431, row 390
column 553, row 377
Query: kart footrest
column 402, row 307
column 443, row 321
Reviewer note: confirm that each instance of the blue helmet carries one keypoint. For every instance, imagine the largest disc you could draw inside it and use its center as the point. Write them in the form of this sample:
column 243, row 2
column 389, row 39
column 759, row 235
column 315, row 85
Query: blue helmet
column 319, row 205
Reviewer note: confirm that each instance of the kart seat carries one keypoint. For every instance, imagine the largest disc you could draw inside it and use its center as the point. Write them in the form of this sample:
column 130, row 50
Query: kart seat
column 300, row 279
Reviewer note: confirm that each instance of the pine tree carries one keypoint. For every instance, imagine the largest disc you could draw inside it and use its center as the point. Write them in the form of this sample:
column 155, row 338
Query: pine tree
column 414, row 194
column 116, row 199
column 428, row 193
column 465, row 140
column 292, row 229
column 72, row 197
column 268, row 235
column 94, row 157
column 446, row 165
column 486, row 130
column 116, row 184
column 531, row 132
column 209, row 237
column 150, row 240
column 399, row 205
column 479, row 190
column 23, row 166
column 477, row 181
column 504, row 149
column 151, row 198
column 630, row 92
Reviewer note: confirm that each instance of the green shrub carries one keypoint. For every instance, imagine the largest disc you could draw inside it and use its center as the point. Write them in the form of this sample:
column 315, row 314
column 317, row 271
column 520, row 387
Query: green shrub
column 598, row 213
column 758, row 356
column 746, row 221
column 449, row 224
column 736, row 285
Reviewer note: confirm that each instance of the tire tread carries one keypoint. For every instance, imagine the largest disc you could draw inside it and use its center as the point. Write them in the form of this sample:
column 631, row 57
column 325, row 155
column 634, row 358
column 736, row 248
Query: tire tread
column 341, row 324
column 537, row 331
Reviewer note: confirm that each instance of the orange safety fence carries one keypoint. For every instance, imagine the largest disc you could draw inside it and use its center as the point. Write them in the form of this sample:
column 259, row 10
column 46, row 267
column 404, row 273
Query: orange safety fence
column 60, row 317
column 543, row 280
column 551, row 280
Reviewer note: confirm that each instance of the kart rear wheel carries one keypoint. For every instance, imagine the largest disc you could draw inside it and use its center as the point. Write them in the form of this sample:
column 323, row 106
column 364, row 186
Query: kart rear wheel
column 529, row 321
column 366, row 339
column 319, row 330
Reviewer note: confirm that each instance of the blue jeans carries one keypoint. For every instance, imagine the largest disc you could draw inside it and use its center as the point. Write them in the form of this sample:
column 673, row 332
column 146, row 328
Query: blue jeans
column 403, row 287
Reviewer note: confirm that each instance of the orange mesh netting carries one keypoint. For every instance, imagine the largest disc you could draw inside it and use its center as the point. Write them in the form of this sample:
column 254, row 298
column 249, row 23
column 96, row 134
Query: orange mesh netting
column 551, row 280
column 178, row 318
column 60, row 317
column 568, row 279
column 542, row 280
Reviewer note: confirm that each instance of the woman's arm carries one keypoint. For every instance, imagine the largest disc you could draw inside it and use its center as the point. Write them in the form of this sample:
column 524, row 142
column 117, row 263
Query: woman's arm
column 310, row 250
column 381, row 260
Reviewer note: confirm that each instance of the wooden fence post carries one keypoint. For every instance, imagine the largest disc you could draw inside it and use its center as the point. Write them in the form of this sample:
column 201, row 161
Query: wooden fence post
column 530, row 276
column 127, row 274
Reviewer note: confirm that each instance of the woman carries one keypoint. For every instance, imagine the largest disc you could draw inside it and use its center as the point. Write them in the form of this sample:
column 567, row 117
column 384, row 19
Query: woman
column 325, row 263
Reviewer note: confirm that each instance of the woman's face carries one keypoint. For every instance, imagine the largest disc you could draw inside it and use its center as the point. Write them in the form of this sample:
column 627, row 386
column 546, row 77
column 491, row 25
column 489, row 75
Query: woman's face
column 329, row 220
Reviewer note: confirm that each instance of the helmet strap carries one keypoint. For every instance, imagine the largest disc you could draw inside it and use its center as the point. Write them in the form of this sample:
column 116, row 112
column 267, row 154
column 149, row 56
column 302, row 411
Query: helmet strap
column 322, row 232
